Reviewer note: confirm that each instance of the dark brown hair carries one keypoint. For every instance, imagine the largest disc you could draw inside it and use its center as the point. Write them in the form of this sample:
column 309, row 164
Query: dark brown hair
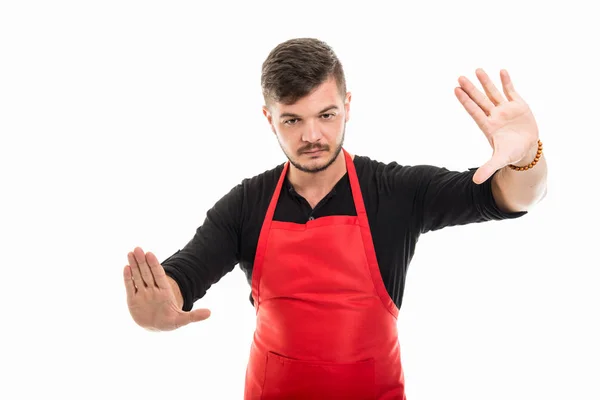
column 296, row 67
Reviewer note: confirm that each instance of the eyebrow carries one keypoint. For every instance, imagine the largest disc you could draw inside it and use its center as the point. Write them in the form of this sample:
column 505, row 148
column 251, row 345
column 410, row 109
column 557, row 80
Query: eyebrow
column 292, row 115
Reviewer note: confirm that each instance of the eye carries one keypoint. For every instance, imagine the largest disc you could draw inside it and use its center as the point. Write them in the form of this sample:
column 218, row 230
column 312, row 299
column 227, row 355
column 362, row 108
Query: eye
column 327, row 116
column 291, row 121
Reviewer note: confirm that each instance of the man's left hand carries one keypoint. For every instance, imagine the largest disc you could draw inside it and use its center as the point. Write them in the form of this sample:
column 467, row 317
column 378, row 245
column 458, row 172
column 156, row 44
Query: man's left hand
column 508, row 123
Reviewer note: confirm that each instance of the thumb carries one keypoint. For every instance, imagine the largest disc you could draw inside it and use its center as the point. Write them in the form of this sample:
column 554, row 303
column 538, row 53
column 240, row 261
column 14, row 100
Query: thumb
column 194, row 316
column 484, row 172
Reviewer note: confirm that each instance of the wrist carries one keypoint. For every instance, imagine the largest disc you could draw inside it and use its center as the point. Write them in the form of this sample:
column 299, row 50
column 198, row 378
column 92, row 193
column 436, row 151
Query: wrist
column 532, row 157
column 176, row 292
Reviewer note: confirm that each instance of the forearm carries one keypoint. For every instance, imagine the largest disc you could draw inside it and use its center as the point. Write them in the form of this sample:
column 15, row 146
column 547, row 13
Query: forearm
column 519, row 190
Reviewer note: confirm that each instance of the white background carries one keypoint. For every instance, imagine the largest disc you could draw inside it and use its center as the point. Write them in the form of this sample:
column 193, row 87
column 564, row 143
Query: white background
column 123, row 122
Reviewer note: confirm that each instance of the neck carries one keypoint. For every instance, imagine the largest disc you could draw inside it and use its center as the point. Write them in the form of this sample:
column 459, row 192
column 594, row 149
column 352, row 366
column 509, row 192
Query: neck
column 320, row 182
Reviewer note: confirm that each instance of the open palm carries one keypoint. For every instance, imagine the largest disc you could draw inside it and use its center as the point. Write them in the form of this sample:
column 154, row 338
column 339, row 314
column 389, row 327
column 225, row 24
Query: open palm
column 507, row 123
column 150, row 297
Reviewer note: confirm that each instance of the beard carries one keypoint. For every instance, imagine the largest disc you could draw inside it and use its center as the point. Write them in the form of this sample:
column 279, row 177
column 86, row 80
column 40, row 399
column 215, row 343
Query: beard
column 313, row 169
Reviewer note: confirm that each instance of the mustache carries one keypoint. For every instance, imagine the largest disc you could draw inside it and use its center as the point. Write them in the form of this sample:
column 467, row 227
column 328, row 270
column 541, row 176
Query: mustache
column 313, row 148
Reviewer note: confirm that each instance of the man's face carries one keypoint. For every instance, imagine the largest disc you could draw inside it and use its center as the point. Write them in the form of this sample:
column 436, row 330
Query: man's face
column 311, row 131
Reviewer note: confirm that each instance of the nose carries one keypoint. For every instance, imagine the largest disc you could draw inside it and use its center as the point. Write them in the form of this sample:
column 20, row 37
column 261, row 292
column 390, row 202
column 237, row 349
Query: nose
column 311, row 133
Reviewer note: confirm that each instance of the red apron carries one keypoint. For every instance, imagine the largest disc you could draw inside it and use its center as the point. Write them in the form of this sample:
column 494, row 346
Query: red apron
column 325, row 324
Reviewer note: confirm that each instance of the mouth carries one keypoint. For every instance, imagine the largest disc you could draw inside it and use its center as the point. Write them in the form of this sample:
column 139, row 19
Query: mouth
column 314, row 152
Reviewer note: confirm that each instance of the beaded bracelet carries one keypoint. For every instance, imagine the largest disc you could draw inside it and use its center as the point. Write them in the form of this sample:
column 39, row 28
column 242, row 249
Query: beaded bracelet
column 531, row 164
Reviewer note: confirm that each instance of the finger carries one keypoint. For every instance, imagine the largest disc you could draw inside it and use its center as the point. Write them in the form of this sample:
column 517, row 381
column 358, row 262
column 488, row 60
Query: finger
column 157, row 270
column 473, row 109
column 193, row 316
column 488, row 86
column 135, row 271
column 129, row 285
column 484, row 172
column 144, row 268
column 507, row 86
column 199, row 315
column 479, row 98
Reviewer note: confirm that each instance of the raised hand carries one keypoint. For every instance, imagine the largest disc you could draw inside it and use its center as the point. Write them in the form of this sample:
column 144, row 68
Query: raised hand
column 508, row 123
column 150, row 296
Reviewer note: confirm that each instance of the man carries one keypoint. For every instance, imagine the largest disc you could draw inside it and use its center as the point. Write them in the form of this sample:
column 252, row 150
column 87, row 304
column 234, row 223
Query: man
column 326, row 238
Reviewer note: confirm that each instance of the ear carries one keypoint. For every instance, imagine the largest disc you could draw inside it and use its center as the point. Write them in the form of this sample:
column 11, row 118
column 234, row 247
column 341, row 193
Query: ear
column 347, row 105
column 269, row 117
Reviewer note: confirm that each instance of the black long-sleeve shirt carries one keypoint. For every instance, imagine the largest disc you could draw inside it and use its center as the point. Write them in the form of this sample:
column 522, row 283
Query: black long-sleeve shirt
column 402, row 202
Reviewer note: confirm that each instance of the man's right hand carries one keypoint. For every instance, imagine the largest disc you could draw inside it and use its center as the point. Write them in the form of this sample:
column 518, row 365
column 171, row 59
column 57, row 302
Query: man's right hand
column 151, row 298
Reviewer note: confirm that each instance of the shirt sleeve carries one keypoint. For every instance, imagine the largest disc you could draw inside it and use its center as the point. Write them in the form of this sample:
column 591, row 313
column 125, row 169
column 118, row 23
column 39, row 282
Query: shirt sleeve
column 447, row 198
column 213, row 251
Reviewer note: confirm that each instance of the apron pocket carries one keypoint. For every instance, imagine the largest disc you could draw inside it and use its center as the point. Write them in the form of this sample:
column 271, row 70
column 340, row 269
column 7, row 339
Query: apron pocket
column 287, row 378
